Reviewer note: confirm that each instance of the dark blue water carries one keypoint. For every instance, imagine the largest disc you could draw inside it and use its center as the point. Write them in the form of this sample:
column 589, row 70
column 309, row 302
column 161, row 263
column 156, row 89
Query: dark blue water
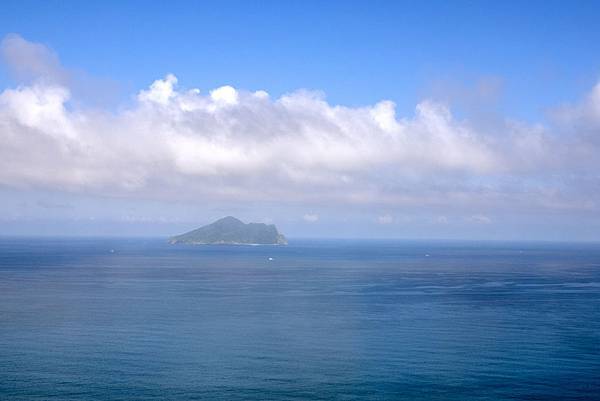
column 322, row 320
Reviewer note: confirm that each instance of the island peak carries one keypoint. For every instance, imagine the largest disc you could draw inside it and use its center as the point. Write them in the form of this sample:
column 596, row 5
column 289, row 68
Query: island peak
column 232, row 231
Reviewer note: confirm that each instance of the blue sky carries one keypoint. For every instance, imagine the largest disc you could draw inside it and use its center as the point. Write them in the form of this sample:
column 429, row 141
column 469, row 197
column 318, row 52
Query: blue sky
column 543, row 52
column 470, row 119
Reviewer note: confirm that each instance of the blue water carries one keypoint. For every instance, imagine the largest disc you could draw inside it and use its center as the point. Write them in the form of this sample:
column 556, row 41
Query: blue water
column 323, row 320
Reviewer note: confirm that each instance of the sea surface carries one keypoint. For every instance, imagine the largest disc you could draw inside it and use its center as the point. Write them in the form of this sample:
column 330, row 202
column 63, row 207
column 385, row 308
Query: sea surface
column 139, row 319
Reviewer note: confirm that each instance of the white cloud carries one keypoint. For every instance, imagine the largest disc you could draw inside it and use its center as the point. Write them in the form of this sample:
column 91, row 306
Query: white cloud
column 385, row 219
column 239, row 145
column 161, row 91
column 230, row 138
column 480, row 219
column 583, row 115
column 28, row 60
column 225, row 95
column 441, row 220
column 310, row 218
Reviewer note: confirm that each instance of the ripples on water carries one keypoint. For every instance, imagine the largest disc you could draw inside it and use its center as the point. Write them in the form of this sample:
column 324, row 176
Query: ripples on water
column 322, row 320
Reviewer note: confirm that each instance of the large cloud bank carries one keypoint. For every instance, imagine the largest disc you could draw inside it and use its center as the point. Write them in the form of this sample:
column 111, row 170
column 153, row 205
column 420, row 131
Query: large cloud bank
column 226, row 143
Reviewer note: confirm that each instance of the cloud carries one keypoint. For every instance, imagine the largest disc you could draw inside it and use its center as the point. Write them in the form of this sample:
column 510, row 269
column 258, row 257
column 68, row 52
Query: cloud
column 31, row 61
column 441, row 220
column 480, row 219
column 311, row 218
column 584, row 117
column 236, row 145
column 385, row 219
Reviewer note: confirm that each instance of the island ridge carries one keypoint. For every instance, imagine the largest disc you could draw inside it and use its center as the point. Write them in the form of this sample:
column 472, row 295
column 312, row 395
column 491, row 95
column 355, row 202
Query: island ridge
column 232, row 231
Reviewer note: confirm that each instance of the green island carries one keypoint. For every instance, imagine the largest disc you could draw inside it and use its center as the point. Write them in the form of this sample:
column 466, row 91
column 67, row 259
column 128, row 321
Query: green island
column 232, row 231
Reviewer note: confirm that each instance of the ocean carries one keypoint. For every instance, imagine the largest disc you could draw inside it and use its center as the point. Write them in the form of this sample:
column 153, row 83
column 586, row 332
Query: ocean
column 139, row 319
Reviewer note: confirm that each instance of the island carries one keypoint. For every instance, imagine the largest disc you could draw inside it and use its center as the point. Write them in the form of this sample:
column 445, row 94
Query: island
column 232, row 231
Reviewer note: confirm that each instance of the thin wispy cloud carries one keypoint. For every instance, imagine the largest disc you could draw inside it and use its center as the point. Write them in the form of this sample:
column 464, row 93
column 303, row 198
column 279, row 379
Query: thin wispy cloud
column 385, row 219
column 29, row 61
column 310, row 218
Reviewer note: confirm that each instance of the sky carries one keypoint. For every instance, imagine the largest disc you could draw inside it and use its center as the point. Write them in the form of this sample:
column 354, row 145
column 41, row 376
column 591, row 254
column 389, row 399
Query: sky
column 458, row 120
